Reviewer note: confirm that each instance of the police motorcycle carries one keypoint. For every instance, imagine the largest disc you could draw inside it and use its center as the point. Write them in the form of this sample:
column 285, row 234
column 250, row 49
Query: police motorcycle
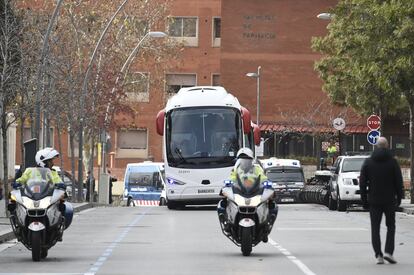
column 247, row 214
column 36, row 213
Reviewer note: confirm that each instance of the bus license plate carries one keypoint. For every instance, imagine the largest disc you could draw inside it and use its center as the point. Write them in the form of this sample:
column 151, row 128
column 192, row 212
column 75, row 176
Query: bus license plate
column 204, row 191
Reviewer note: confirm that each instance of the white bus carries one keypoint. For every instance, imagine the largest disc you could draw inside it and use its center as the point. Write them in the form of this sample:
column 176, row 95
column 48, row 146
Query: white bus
column 202, row 128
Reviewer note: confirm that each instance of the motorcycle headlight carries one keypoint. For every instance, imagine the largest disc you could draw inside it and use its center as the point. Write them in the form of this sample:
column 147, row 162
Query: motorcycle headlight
column 347, row 181
column 174, row 181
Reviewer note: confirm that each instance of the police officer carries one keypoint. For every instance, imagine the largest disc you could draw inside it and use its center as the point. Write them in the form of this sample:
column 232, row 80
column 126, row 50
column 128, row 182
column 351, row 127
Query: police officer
column 44, row 159
column 249, row 174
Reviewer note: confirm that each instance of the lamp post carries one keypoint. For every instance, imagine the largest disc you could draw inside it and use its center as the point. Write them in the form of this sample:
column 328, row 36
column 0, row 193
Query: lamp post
column 257, row 76
column 83, row 96
column 325, row 16
column 40, row 72
column 124, row 72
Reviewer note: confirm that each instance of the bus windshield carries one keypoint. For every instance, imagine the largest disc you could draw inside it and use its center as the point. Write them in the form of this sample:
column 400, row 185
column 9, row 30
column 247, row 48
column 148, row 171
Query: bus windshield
column 203, row 137
column 145, row 176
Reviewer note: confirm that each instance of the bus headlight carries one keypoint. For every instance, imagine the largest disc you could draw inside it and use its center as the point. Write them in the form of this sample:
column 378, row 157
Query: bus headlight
column 174, row 181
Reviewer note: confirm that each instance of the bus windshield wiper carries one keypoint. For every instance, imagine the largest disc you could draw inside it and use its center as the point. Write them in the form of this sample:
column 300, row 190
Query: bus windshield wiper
column 182, row 159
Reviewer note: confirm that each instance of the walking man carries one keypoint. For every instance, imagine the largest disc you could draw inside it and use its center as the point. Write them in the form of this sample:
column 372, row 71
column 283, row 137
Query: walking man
column 381, row 190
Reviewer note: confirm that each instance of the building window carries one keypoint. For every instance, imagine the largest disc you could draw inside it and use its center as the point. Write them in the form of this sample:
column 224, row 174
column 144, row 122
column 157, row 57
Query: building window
column 137, row 87
column 215, row 80
column 174, row 82
column 185, row 29
column 132, row 139
column 216, row 31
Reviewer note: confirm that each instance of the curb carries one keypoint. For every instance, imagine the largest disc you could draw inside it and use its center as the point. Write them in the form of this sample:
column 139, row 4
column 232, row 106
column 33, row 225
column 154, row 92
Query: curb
column 8, row 236
column 409, row 211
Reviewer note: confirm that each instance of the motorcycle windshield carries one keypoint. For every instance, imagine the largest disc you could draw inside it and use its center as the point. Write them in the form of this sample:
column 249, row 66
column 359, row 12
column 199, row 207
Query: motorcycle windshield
column 247, row 187
column 40, row 184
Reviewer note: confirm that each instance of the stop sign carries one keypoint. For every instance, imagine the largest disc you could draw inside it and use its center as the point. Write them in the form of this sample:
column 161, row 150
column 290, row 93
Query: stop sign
column 374, row 122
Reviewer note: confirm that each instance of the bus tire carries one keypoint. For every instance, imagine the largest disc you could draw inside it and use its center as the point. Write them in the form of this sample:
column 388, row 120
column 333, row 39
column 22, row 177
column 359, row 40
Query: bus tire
column 171, row 205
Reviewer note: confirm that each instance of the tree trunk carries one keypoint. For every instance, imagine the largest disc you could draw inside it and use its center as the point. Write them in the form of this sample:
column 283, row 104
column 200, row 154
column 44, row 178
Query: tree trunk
column 72, row 162
column 92, row 178
column 411, row 103
column 5, row 159
column 22, row 143
column 60, row 148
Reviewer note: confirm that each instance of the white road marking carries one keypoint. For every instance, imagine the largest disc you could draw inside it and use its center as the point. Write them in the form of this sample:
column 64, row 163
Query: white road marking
column 108, row 251
column 292, row 258
column 322, row 229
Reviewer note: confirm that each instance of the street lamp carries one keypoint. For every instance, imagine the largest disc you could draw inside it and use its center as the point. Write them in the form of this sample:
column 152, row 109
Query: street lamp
column 123, row 72
column 257, row 76
column 83, row 95
column 122, row 75
column 325, row 16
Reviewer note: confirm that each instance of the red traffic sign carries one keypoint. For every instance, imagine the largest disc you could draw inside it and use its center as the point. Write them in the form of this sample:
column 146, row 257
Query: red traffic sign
column 374, row 122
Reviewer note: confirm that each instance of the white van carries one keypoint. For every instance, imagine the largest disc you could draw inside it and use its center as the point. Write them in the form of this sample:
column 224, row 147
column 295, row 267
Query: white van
column 143, row 183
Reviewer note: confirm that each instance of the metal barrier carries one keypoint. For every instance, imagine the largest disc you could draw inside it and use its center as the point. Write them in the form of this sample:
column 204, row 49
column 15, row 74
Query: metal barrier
column 316, row 191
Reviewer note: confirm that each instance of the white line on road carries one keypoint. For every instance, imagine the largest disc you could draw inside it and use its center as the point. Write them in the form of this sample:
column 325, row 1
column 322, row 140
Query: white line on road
column 108, row 251
column 292, row 258
column 321, row 229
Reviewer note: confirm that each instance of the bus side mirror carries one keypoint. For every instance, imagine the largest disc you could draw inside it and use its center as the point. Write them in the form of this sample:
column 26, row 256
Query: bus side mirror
column 160, row 122
column 246, row 120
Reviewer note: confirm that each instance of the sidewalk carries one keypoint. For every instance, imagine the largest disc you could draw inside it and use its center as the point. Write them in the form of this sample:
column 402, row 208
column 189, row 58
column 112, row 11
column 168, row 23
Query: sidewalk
column 6, row 232
column 406, row 207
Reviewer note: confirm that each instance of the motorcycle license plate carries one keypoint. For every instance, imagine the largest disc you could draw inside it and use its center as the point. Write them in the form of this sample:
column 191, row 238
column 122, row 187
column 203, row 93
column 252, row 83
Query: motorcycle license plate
column 205, row 191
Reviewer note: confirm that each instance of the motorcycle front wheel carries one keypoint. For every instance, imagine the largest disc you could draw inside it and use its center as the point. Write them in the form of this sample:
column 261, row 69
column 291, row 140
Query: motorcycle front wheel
column 246, row 241
column 36, row 246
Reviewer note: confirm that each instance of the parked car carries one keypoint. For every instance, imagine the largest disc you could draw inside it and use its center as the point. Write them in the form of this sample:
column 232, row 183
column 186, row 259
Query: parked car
column 344, row 184
column 68, row 181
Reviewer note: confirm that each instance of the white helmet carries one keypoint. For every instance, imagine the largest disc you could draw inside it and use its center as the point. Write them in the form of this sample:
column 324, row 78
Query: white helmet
column 45, row 154
column 245, row 153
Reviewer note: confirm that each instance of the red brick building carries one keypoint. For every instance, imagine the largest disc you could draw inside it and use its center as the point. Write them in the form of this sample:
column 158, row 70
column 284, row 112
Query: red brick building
column 225, row 40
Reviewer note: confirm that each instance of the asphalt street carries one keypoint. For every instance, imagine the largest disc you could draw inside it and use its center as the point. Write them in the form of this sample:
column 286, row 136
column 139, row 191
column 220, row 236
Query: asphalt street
column 308, row 239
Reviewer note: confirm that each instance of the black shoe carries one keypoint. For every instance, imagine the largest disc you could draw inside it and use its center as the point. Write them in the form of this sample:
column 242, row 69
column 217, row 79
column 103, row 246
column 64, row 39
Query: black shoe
column 265, row 238
column 389, row 258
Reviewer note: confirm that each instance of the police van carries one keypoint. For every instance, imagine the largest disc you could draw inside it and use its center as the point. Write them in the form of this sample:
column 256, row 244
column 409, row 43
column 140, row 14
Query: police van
column 143, row 183
column 287, row 178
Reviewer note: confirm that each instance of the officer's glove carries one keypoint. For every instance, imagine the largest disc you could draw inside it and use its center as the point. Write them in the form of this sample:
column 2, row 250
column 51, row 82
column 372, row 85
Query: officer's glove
column 16, row 185
column 61, row 186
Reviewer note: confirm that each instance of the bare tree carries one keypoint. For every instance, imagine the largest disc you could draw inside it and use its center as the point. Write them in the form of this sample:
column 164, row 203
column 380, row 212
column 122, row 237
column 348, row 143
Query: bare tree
column 9, row 75
column 314, row 120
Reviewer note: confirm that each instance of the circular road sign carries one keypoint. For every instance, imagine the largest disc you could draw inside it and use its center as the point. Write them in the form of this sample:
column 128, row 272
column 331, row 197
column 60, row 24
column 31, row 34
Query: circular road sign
column 373, row 136
column 374, row 122
column 339, row 123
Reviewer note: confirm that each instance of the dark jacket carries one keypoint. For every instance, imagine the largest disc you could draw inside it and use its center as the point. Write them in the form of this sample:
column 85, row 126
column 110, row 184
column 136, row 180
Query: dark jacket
column 380, row 180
